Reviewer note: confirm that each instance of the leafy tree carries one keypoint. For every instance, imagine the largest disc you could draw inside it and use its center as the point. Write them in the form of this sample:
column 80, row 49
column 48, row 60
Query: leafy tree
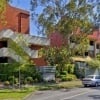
column 24, row 59
column 94, row 63
column 17, row 47
column 3, row 4
column 68, row 18
column 58, row 57
column 72, row 19
column 98, row 56
column 81, row 43
column 62, row 15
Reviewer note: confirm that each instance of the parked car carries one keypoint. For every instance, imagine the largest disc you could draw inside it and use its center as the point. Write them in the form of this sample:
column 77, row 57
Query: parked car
column 91, row 80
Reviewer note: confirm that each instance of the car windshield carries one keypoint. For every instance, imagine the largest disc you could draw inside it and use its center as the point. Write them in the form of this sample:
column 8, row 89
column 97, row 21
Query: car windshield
column 90, row 76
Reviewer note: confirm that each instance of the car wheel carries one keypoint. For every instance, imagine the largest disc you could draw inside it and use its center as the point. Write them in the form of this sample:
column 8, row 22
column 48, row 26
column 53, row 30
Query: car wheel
column 85, row 85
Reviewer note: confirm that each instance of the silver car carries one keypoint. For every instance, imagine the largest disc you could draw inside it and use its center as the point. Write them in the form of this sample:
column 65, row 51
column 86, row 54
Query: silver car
column 91, row 80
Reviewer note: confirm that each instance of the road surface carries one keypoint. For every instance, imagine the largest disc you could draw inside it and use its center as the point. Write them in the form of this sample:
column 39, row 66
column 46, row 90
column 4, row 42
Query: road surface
column 90, row 93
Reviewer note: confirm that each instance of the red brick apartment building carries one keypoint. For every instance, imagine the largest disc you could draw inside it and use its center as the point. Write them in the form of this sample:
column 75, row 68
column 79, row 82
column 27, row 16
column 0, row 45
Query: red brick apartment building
column 57, row 40
column 17, row 20
column 18, row 23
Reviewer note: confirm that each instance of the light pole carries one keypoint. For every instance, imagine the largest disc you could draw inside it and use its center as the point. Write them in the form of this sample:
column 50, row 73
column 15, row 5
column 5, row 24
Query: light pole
column 19, row 73
column 19, row 78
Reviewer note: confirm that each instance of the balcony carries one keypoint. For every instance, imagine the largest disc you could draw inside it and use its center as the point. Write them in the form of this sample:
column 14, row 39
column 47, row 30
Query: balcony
column 97, row 51
column 37, row 40
column 7, row 52
column 91, row 48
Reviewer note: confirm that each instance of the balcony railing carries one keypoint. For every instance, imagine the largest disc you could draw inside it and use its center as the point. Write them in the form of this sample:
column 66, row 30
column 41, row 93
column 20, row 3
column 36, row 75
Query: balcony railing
column 7, row 52
column 30, row 39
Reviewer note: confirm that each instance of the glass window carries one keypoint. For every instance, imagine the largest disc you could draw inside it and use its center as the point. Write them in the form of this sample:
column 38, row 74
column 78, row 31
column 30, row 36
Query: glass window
column 86, row 53
column 97, row 77
column 97, row 46
column 90, row 76
column 91, row 42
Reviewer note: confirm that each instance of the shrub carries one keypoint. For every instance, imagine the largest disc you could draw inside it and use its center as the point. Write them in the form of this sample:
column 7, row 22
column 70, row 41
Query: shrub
column 63, row 73
column 38, row 77
column 70, row 77
column 63, row 77
column 70, row 68
column 29, row 80
column 13, row 80
column 6, row 83
column 57, row 74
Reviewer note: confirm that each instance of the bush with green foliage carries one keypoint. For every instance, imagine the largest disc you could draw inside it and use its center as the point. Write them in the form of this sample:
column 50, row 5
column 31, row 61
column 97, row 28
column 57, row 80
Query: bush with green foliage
column 13, row 80
column 63, row 78
column 63, row 73
column 70, row 77
column 6, row 83
column 70, row 68
column 29, row 80
column 57, row 74
column 67, row 73
column 10, row 71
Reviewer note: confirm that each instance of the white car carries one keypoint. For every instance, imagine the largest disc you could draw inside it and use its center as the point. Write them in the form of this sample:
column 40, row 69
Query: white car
column 91, row 80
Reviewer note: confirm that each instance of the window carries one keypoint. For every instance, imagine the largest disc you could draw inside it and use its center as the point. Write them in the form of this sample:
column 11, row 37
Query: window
column 97, row 46
column 86, row 53
column 91, row 53
column 91, row 42
column 3, row 44
column 72, row 40
column 23, row 23
column 97, row 77
column 3, row 59
column 89, row 76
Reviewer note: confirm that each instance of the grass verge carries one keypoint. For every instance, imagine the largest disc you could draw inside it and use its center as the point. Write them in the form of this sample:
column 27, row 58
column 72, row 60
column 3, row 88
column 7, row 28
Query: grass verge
column 65, row 85
column 15, row 94
column 8, row 94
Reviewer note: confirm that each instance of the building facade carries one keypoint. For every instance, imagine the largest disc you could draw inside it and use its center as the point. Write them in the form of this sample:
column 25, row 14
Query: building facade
column 94, row 47
column 57, row 40
column 17, row 24
column 16, row 19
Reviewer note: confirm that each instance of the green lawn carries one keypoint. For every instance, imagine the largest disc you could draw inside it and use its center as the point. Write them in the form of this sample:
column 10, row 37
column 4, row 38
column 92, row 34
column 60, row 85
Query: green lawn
column 8, row 94
column 66, row 85
column 12, row 96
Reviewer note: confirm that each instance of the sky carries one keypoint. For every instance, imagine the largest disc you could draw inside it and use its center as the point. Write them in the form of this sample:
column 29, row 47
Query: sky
column 25, row 5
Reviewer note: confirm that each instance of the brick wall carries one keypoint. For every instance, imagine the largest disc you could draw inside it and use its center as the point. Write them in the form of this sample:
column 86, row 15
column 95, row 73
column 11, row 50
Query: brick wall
column 17, row 20
column 39, row 61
